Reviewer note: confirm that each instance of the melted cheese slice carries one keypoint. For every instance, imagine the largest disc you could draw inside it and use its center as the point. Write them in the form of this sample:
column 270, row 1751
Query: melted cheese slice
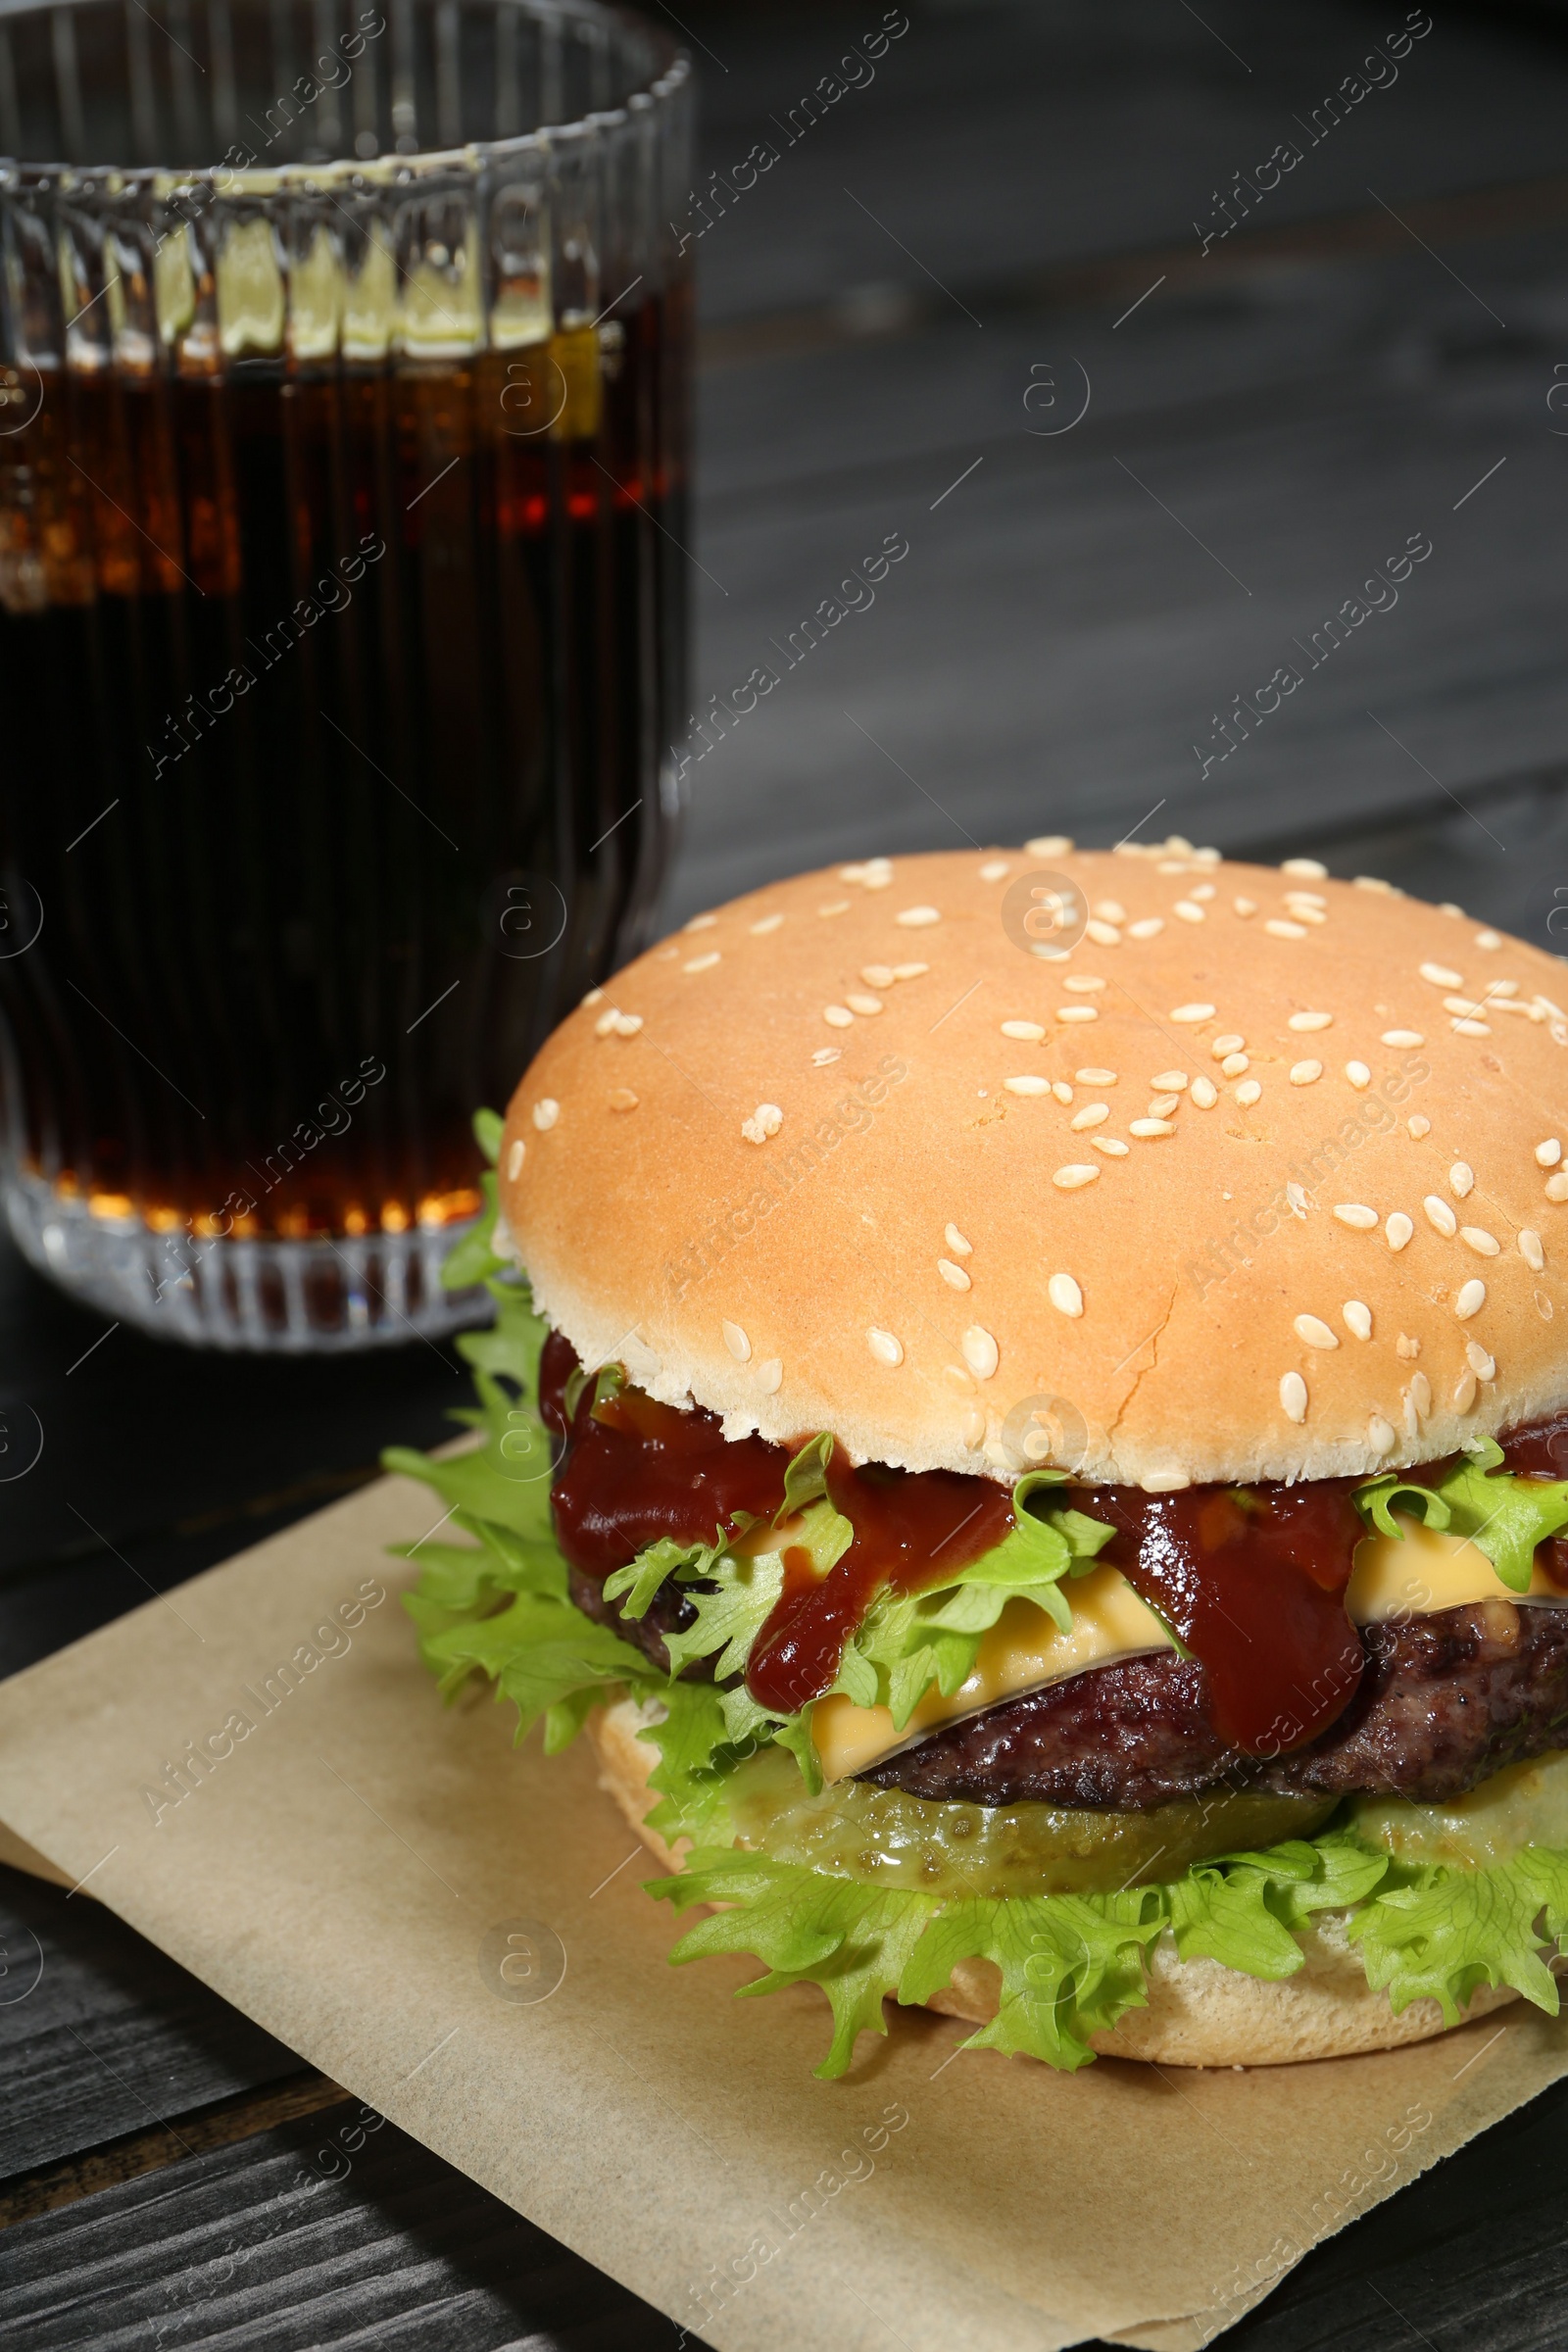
column 1427, row 1572
column 1026, row 1651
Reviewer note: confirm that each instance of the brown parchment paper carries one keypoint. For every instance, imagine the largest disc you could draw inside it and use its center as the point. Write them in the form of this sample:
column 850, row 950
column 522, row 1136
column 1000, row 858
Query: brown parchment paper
column 388, row 1887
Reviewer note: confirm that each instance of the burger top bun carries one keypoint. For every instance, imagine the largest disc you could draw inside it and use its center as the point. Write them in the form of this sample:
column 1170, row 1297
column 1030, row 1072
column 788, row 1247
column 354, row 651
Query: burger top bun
column 1152, row 1166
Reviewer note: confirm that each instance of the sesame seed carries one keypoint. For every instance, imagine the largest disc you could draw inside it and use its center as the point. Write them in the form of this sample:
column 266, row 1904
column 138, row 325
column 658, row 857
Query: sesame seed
column 955, row 1242
column 865, row 1006
column 628, row 1024
column 765, row 1120
column 1027, row 1085
column 1464, row 1392
column 884, row 1347
column 1304, row 899
column 1530, row 1249
column 1441, row 976
column 1147, row 1129
column 1308, row 867
column 1487, row 940
column 701, row 922
column 1278, row 928
column 514, row 1160
column 735, row 1340
column 824, row 1054
column 1419, row 1126
column 910, row 971
column 1406, row 1348
column 1050, row 845
column 1292, row 1397
column 1206, row 1094
column 595, row 995
column 1466, row 1006
column 878, row 975
column 1461, row 1179
column 1161, row 1105
column 1373, row 882
column 1481, row 1364
column 1061, row 1090
column 1201, row 891
column 605, row 1026
column 918, row 918
column 1064, row 1295
column 1112, row 1145
column 1420, row 1393
column 1358, row 1073
column 1096, row 1077
column 837, row 1017
column 1188, row 911
column 770, row 1375
column 1439, row 1215
column 995, row 869
column 1092, row 1114
column 1471, row 1300
column 953, row 1276
column 1109, row 911
column 1072, row 1179
column 1230, row 1043
column 1297, row 1197
column 1249, row 1093
column 1103, row 934
column 1549, row 1153
column 621, row 1098
column 974, row 1428
column 1478, row 1238
column 980, row 1352
column 701, row 963
column 1382, row 1435
column 546, row 1112
column 1170, row 1082
column 1398, row 1229
column 1403, row 1037
column 1356, row 1213
column 763, row 926
column 1084, row 985
column 1556, row 1187
column 1309, row 1020
column 1244, row 907
column 1147, row 926
column 1077, row 1012
column 1302, row 1073
column 1235, row 1065
column 1357, row 1318
column 1471, row 1028
column 835, row 907
column 1314, row 1332
column 1305, row 910
column 1191, row 1014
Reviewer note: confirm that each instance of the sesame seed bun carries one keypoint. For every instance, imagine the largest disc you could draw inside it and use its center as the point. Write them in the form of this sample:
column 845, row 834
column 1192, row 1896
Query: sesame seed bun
column 853, row 1153
column 1200, row 2013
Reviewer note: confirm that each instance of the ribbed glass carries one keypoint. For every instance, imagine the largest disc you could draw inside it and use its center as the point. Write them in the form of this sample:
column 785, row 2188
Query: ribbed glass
column 343, row 466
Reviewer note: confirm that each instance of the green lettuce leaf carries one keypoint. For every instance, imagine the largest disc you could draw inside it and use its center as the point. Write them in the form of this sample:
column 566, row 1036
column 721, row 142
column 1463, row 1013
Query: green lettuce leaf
column 1440, row 1934
column 852, row 1941
column 1069, row 1965
column 1503, row 1515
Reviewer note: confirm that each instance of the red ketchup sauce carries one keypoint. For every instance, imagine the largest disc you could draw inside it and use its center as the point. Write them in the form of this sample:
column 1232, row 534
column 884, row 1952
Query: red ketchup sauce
column 914, row 1529
column 635, row 1470
column 1252, row 1581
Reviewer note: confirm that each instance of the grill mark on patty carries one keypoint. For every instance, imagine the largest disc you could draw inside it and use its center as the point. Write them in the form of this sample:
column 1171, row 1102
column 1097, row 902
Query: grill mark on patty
column 1445, row 1701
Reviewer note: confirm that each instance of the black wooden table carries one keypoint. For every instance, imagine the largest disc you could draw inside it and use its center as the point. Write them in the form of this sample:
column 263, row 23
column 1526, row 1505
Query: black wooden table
column 902, row 320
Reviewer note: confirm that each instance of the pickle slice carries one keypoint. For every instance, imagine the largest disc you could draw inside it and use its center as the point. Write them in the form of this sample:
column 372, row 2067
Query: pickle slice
column 1526, row 1804
column 855, row 1831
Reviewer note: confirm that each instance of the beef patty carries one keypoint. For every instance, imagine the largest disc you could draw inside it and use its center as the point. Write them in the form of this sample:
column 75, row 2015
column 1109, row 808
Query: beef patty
column 1443, row 1702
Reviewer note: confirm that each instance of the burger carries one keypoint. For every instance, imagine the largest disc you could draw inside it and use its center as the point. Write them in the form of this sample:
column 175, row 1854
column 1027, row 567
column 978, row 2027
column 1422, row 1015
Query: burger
column 1026, row 1418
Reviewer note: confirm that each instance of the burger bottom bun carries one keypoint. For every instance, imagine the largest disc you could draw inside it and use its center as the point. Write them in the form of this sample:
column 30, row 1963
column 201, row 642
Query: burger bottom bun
column 1199, row 2012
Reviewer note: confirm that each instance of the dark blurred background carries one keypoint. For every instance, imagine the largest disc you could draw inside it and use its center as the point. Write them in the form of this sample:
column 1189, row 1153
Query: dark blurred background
column 1018, row 295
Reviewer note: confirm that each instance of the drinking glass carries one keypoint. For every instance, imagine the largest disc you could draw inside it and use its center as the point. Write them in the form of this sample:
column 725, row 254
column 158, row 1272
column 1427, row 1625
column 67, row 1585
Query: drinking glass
column 344, row 354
